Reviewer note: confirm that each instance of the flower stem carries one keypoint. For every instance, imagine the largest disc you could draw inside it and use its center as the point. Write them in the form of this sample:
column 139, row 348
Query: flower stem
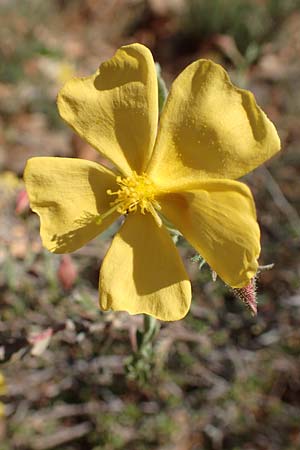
column 140, row 365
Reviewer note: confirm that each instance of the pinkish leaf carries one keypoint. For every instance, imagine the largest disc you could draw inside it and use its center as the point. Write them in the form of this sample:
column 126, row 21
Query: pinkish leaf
column 40, row 341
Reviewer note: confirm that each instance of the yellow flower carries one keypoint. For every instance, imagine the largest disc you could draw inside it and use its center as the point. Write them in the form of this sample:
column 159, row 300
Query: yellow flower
column 3, row 387
column 210, row 133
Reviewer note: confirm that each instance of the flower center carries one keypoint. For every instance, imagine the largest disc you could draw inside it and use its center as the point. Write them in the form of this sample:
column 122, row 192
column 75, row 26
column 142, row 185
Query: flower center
column 136, row 191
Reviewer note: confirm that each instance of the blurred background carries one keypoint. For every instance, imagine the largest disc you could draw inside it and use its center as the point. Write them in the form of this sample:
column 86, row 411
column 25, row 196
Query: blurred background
column 220, row 378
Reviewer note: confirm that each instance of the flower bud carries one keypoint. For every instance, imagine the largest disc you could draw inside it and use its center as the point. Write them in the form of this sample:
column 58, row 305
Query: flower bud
column 22, row 202
column 248, row 295
column 67, row 272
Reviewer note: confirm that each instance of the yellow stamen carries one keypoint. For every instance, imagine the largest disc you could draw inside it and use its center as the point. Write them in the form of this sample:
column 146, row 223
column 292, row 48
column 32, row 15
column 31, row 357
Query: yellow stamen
column 135, row 191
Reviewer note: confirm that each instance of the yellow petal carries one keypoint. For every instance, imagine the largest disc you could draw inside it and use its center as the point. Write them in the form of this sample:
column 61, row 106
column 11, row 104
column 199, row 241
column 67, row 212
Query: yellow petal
column 210, row 129
column 68, row 194
column 218, row 218
column 143, row 273
column 116, row 109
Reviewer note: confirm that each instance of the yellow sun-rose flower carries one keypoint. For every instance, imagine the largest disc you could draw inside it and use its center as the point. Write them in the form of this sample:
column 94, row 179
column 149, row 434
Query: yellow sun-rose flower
column 183, row 168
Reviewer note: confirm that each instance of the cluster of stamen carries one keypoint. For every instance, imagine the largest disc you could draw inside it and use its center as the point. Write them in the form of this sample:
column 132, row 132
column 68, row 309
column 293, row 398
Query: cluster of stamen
column 136, row 191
